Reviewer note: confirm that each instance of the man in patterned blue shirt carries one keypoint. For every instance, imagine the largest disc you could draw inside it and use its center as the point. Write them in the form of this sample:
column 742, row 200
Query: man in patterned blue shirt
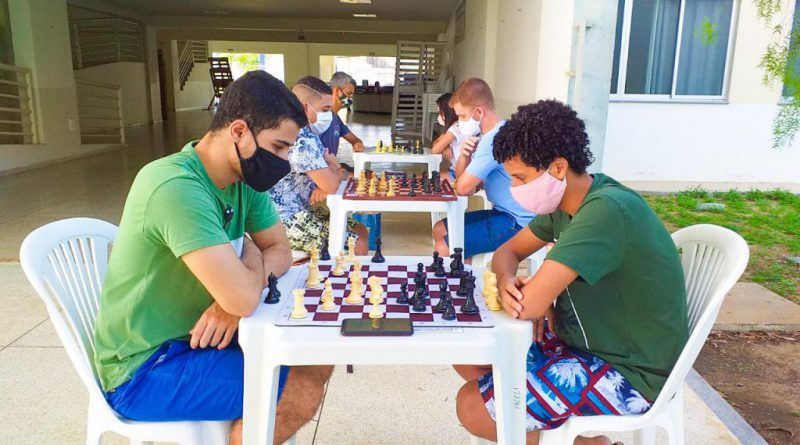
column 315, row 173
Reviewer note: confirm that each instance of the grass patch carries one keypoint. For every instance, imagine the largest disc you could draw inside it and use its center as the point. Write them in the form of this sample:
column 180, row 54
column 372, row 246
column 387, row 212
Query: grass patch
column 768, row 220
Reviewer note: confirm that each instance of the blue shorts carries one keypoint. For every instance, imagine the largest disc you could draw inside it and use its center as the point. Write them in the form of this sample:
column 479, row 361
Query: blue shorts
column 181, row 383
column 486, row 230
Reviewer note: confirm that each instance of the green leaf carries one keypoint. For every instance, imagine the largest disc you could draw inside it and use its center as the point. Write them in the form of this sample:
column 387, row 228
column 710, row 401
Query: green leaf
column 707, row 32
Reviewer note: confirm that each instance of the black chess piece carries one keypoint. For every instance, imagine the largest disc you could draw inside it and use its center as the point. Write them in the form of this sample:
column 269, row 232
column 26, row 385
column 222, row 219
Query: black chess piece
column 457, row 265
column 435, row 259
column 404, row 181
column 403, row 298
column 414, row 184
column 420, row 269
column 325, row 255
column 426, row 185
column 442, row 304
column 411, row 192
column 469, row 307
column 439, row 271
column 273, row 294
column 419, row 300
column 462, row 284
column 378, row 257
column 449, row 312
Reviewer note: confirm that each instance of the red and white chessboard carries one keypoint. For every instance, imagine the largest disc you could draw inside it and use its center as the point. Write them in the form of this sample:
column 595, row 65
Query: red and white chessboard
column 391, row 276
column 446, row 194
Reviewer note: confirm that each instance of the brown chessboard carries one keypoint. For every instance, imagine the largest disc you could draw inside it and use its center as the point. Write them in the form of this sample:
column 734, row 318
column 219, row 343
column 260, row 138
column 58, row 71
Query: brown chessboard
column 447, row 193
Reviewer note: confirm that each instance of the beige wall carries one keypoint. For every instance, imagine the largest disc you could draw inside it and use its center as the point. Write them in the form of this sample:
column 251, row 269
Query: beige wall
column 750, row 43
column 197, row 91
column 132, row 78
column 41, row 43
column 521, row 47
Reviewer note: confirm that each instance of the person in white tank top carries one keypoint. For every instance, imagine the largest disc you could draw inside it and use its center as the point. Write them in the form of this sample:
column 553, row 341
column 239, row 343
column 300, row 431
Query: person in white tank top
column 447, row 143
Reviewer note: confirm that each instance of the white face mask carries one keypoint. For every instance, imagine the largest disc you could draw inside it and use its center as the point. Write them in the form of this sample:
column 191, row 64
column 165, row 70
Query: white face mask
column 470, row 127
column 440, row 120
column 324, row 119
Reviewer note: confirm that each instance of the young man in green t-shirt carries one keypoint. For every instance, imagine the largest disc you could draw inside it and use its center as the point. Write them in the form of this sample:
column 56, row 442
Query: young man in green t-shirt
column 182, row 271
column 612, row 287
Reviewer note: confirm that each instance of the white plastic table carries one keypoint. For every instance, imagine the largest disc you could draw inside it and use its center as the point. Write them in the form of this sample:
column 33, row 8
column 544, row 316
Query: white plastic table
column 360, row 159
column 340, row 207
column 267, row 346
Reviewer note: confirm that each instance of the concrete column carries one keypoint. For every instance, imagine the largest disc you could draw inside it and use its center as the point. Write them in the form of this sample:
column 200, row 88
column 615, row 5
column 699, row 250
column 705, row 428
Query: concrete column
column 40, row 33
column 600, row 18
column 40, row 30
column 151, row 59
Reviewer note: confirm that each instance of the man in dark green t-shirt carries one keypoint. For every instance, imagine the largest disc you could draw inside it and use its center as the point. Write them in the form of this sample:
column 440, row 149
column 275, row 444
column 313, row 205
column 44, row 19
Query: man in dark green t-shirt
column 612, row 286
column 183, row 270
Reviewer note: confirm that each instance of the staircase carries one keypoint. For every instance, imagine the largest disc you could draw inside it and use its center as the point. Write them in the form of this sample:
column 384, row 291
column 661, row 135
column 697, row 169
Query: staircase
column 190, row 52
column 107, row 40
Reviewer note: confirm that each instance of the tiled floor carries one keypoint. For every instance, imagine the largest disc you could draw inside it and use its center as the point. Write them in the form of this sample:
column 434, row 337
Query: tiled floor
column 43, row 402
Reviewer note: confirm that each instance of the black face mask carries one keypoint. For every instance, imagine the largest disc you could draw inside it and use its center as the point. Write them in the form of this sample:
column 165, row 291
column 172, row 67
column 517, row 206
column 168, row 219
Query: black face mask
column 262, row 170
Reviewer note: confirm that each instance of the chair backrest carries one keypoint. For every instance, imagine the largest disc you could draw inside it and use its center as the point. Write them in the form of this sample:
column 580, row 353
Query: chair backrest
column 713, row 259
column 66, row 262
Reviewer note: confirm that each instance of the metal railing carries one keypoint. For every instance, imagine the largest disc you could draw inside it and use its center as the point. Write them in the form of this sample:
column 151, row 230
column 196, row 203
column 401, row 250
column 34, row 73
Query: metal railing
column 18, row 120
column 100, row 112
column 192, row 51
column 108, row 40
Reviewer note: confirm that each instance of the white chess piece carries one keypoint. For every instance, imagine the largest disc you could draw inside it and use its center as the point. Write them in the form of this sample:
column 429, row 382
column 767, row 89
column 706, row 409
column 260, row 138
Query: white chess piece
column 327, row 298
column 338, row 270
column 375, row 290
column 354, row 297
column 491, row 293
column 351, row 249
column 313, row 280
column 376, row 311
column 299, row 310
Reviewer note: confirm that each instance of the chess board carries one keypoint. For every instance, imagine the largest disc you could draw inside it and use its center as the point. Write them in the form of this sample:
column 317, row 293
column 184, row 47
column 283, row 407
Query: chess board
column 391, row 276
column 402, row 149
column 447, row 193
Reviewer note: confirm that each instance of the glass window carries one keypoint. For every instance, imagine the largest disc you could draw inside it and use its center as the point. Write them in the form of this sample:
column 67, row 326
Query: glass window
column 244, row 62
column 652, row 47
column 369, row 68
column 704, row 47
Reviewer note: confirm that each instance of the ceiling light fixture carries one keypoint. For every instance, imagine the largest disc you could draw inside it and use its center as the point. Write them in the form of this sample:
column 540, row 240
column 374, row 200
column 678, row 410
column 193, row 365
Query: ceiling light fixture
column 366, row 16
column 215, row 12
column 351, row 2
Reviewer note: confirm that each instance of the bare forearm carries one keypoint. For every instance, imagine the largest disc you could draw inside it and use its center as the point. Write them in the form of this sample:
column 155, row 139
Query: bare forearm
column 461, row 165
column 504, row 263
column 353, row 139
column 277, row 260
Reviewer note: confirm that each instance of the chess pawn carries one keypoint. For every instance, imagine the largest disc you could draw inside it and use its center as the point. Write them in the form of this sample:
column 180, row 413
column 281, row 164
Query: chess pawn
column 354, row 297
column 313, row 280
column 338, row 270
column 299, row 310
column 372, row 191
column 486, row 274
column 376, row 311
column 327, row 298
column 391, row 193
column 351, row 250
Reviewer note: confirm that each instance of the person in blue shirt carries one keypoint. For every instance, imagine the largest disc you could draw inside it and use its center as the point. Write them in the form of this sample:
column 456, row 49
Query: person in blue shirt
column 478, row 123
column 343, row 87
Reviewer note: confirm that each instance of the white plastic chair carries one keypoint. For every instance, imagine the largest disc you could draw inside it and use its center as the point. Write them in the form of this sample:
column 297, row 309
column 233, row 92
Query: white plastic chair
column 713, row 259
column 66, row 262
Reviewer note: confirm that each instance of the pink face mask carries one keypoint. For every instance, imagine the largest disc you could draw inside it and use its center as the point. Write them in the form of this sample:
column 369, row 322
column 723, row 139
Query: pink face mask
column 542, row 195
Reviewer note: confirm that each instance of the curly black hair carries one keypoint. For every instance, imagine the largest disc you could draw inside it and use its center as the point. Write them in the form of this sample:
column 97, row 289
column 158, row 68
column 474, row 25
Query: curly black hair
column 541, row 132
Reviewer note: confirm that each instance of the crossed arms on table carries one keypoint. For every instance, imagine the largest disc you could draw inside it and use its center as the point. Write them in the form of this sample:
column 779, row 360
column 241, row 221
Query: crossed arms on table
column 528, row 298
column 236, row 283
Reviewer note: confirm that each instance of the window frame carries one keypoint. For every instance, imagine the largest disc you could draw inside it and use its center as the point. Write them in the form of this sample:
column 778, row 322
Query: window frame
column 673, row 97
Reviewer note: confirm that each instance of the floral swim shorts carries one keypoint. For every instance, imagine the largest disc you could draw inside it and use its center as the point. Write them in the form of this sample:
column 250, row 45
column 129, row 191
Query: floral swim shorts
column 309, row 228
column 564, row 382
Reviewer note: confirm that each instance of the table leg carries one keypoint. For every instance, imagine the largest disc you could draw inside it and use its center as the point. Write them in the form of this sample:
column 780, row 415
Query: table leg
column 433, row 165
column 510, row 386
column 260, row 398
column 338, row 225
column 455, row 223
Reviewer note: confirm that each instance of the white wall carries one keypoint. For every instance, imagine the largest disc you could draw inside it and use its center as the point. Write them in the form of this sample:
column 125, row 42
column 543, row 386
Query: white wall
column 725, row 142
column 132, row 78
